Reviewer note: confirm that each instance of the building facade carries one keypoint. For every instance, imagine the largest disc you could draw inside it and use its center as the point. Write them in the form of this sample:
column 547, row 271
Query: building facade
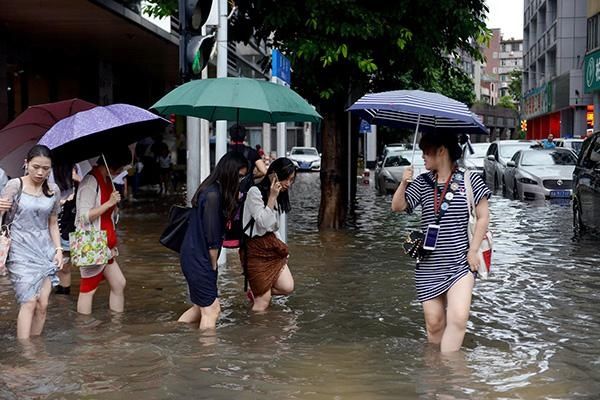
column 511, row 59
column 554, row 46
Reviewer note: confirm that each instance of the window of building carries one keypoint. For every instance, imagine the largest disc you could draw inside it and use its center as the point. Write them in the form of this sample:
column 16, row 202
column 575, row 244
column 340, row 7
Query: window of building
column 495, row 54
column 593, row 32
column 495, row 70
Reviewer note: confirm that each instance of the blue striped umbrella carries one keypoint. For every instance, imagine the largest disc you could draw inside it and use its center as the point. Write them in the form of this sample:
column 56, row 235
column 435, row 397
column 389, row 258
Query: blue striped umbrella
column 424, row 111
column 409, row 108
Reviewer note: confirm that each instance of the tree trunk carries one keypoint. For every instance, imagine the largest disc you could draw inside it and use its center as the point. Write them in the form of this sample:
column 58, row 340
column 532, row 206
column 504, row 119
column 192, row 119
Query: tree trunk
column 334, row 171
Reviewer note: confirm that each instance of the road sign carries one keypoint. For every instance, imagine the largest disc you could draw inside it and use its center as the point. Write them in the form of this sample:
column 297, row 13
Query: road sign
column 280, row 67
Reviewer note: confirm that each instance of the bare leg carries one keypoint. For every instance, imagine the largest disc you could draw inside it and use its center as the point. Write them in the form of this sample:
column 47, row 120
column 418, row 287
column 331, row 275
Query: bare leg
column 191, row 316
column 210, row 315
column 25, row 319
column 39, row 317
column 117, row 282
column 85, row 301
column 457, row 314
column 435, row 319
column 284, row 285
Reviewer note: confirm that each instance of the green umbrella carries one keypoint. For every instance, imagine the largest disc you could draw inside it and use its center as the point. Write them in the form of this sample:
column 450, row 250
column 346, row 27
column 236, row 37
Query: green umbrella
column 237, row 99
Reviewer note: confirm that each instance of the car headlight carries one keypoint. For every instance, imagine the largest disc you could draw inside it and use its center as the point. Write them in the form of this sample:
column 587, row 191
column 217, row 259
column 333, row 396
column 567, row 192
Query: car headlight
column 528, row 181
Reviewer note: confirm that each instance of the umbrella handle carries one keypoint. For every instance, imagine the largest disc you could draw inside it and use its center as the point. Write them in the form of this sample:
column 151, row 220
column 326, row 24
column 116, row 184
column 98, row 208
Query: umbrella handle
column 108, row 171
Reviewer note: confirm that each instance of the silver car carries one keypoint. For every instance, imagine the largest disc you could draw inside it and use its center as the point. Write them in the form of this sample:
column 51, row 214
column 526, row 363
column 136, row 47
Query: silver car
column 388, row 173
column 474, row 162
column 498, row 154
column 540, row 174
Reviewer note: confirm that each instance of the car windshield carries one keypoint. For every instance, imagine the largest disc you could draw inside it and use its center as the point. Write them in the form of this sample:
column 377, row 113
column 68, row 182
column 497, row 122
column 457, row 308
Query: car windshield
column 509, row 150
column 542, row 158
column 479, row 149
column 396, row 161
column 408, row 155
column 304, row 152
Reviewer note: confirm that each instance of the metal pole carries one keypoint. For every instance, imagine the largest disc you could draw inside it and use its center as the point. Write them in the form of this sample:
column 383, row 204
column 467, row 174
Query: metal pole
column 221, row 145
column 221, row 142
column 204, row 136
column 349, row 160
column 281, row 152
column 193, row 156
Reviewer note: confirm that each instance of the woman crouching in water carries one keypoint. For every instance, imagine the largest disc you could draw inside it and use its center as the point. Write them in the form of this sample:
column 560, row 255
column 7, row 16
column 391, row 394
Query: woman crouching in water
column 265, row 256
column 215, row 201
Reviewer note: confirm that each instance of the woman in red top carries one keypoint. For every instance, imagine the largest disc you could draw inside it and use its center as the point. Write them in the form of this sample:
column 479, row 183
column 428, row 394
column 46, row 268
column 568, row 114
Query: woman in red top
column 96, row 205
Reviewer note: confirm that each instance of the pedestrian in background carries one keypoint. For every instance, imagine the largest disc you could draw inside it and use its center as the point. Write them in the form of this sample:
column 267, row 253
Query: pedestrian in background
column 215, row 201
column 165, row 165
column 446, row 276
column 549, row 143
column 264, row 256
column 237, row 135
column 66, row 178
column 97, row 202
column 35, row 253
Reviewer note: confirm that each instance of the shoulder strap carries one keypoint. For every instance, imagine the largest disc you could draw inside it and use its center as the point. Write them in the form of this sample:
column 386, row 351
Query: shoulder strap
column 469, row 191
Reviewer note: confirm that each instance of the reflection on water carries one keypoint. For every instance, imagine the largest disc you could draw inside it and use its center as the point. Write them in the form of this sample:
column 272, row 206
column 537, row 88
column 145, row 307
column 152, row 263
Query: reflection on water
column 353, row 330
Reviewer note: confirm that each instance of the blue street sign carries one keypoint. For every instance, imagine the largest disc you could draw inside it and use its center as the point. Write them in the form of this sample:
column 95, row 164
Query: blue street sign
column 280, row 66
column 365, row 127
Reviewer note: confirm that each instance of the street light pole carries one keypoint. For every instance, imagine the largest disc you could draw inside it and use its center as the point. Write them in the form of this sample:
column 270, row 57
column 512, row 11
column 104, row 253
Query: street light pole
column 221, row 143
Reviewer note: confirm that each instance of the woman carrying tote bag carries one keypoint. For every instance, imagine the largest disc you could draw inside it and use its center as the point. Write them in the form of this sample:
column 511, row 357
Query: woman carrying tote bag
column 97, row 202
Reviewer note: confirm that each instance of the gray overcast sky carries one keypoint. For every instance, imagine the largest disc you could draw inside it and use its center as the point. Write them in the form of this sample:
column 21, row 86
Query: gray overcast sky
column 506, row 15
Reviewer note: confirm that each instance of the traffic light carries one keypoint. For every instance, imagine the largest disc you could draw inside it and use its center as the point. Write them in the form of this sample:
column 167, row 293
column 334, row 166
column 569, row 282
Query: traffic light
column 195, row 49
column 524, row 125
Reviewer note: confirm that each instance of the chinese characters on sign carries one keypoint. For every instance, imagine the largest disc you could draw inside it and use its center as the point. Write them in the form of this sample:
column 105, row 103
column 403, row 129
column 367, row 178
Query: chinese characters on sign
column 538, row 101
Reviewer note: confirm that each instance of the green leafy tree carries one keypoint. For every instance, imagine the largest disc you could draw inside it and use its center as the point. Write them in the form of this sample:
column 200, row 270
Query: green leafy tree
column 507, row 102
column 515, row 85
column 342, row 49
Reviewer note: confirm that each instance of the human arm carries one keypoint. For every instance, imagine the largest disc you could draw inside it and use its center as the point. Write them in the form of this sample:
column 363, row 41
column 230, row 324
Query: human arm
column 7, row 197
column 54, row 229
column 212, row 221
column 86, row 201
column 399, row 202
column 481, row 195
column 261, row 168
column 265, row 216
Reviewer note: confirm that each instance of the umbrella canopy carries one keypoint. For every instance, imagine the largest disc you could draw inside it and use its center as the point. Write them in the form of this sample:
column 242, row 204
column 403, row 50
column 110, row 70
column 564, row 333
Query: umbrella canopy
column 90, row 133
column 237, row 99
column 24, row 131
column 409, row 108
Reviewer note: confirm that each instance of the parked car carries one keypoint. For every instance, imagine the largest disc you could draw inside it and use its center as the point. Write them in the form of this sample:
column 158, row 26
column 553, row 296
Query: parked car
column 498, row 154
column 586, row 187
column 389, row 171
column 572, row 144
column 390, row 148
column 474, row 161
column 540, row 174
column 305, row 158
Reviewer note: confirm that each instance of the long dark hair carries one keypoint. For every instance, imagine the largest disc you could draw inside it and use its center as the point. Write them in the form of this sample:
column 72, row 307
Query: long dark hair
column 226, row 174
column 284, row 168
column 41, row 151
column 63, row 175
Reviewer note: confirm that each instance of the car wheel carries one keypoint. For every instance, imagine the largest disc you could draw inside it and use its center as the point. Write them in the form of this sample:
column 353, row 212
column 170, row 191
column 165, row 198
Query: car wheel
column 504, row 188
column 578, row 226
column 496, row 182
column 515, row 190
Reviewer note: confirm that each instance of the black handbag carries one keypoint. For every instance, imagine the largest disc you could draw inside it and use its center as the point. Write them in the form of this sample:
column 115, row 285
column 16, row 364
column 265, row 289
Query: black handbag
column 173, row 235
column 413, row 245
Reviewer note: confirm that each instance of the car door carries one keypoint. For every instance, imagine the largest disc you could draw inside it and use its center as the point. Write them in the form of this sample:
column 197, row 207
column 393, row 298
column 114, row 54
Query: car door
column 488, row 165
column 590, row 202
column 510, row 173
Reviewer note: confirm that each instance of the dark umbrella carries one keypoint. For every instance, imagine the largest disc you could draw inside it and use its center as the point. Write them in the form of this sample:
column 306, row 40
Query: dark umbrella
column 90, row 133
column 24, row 131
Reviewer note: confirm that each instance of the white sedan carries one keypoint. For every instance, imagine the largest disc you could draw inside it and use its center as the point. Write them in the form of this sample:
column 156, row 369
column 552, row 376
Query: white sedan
column 305, row 158
column 539, row 174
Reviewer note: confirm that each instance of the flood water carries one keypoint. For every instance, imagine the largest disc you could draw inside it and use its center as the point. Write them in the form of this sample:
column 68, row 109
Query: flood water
column 352, row 330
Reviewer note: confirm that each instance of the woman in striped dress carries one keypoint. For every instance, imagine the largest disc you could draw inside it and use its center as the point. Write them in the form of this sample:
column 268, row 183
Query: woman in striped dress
column 445, row 277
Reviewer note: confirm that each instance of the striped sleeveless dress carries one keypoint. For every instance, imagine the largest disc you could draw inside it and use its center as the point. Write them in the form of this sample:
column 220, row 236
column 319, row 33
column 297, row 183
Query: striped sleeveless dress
column 445, row 265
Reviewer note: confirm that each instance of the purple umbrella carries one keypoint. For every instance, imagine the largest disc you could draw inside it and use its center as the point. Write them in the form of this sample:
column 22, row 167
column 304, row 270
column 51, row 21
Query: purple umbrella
column 92, row 132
